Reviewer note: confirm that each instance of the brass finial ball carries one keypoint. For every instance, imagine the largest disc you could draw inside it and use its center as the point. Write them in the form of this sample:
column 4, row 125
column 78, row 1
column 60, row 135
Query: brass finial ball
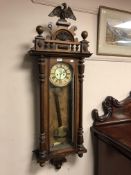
column 39, row 30
column 84, row 34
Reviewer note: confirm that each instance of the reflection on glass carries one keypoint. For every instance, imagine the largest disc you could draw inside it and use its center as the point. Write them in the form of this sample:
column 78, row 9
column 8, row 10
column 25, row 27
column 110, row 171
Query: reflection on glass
column 118, row 32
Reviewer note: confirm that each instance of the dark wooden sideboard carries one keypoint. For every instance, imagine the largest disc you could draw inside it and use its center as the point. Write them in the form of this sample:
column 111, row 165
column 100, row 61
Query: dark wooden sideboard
column 111, row 134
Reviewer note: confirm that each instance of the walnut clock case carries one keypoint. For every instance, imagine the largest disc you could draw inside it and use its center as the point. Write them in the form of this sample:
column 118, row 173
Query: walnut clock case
column 60, row 59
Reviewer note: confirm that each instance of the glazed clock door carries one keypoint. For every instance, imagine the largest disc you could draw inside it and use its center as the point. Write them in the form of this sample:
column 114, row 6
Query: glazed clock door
column 61, row 105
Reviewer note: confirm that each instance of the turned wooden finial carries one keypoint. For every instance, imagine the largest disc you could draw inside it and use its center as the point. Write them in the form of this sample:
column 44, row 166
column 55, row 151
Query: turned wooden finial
column 84, row 35
column 39, row 30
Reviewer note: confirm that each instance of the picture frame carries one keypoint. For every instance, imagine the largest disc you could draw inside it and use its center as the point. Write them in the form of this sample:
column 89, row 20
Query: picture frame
column 114, row 32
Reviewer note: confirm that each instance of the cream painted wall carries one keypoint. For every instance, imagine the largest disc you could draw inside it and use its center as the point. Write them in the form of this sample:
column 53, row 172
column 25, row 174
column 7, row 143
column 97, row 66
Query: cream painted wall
column 18, row 131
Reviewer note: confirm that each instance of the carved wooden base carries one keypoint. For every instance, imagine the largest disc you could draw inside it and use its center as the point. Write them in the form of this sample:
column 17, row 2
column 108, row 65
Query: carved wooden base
column 42, row 158
column 81, row 150
column 58, row 161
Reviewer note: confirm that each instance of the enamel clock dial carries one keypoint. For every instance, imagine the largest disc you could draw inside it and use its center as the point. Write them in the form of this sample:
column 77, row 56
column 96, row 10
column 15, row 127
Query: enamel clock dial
column 60, row 74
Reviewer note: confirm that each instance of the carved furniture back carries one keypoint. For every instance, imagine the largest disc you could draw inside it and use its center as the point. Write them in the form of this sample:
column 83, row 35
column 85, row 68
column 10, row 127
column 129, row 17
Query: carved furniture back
column 111, row 133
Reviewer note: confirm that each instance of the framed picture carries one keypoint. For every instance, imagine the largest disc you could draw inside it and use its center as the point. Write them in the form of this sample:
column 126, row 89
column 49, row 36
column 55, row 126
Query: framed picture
column 114, row 32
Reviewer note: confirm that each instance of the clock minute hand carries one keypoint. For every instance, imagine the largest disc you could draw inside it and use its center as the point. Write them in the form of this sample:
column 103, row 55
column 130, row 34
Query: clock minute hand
column 62, row 74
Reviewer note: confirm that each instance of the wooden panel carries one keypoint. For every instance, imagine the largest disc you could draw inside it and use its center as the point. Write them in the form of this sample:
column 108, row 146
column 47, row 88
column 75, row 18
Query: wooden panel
column 111, row 161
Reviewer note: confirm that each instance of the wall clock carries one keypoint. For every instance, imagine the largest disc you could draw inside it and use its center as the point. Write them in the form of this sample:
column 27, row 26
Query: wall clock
column 60, row 59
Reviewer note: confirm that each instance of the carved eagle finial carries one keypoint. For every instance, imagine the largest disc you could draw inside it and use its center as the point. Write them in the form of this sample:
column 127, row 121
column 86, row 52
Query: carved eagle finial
column 63, row 12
